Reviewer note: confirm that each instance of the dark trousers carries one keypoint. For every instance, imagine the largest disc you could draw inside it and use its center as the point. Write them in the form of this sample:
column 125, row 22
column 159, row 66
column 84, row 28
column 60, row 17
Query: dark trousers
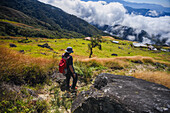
column 68, row 76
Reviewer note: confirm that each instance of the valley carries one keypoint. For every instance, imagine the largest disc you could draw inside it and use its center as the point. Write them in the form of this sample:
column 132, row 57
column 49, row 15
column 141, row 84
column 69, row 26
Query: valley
column 116, row 70
column 31, row 67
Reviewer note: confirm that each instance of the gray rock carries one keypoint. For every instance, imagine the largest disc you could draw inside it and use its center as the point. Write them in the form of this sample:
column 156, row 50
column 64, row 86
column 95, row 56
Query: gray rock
column 45, row 46
column 21, row 51
column 122, row 94
column 58, row 77
column 114, row 54
column 12, row 45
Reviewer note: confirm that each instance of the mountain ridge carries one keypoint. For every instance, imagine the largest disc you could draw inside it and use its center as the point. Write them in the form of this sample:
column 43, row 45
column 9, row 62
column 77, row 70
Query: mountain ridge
column 132, row 34
column 55, row 17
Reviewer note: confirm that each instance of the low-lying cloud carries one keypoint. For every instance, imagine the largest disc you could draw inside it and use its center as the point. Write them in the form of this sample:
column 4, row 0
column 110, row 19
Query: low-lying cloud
column 102, row 13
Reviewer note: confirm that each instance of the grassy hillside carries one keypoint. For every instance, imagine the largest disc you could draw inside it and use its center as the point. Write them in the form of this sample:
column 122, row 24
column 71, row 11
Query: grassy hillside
column 13, row 28
column 81, row 48
column 29, row 67
column 16, row 23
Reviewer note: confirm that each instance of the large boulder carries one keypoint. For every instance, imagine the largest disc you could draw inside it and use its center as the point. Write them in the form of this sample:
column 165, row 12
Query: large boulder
column 122, row 94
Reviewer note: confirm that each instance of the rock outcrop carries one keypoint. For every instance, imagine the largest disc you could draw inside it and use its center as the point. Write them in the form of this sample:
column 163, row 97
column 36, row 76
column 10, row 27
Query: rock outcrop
column 122, row 94
column 12, row 45
column 45, row 46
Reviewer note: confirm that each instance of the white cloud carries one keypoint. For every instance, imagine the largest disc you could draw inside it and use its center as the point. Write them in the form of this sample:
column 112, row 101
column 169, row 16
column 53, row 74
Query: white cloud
column 100, row 12
column 154, row 26
column 103, row 13
column 152, row 13
column 132, row 38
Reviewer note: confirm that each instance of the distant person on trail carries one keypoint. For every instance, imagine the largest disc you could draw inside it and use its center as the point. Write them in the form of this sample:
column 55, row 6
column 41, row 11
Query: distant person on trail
column 69, row 68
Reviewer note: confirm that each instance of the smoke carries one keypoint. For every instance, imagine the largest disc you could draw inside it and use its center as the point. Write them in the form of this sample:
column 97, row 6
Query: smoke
column 102, row 13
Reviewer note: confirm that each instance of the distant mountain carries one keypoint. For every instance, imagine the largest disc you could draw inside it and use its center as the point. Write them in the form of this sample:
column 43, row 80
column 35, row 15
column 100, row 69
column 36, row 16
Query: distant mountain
column 129, row 33
column 44, row 17
column 146, row 12
column 142, row 8
column 140, row 5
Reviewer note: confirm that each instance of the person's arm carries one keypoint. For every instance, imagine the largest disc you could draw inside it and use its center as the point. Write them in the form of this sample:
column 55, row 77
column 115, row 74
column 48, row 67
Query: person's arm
column 72, row 70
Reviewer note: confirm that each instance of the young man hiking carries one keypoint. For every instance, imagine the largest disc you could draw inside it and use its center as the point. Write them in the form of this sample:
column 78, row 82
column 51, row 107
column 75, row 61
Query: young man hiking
column 69, row 72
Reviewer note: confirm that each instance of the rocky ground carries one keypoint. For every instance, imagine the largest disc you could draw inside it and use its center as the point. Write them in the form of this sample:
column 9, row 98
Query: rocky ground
column 122, row 94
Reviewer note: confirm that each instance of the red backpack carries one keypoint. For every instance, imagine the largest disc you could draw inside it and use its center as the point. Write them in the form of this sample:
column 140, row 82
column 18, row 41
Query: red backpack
column 63, row 65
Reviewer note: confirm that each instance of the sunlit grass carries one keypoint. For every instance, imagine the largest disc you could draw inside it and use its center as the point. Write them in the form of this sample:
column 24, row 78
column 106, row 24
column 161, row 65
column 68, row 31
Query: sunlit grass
column 80, row 48
column 44, row 57
column 156, row 77
column 19, row 68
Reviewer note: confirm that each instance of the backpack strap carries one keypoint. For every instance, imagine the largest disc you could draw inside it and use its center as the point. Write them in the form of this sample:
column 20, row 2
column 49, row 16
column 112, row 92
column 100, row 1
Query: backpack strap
column 63, row 56
column 66, row 58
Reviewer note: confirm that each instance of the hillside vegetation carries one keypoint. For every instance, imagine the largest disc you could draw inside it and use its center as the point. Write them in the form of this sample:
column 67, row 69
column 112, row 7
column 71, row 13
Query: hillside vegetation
column 127, row 55
column 29, row 63
column 34, row 35
column 46, row 21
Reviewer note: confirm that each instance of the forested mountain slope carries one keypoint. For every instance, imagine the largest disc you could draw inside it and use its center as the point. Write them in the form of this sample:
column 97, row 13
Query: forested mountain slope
column 40, row 15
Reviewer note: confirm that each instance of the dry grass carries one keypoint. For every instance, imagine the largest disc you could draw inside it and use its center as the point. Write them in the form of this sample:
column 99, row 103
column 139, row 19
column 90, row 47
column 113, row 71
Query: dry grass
column 17, row 67
column 123, row 63
column 15, row 58
column 156, row 77
column 124, row 60
column 108, row 37
column 114, row 63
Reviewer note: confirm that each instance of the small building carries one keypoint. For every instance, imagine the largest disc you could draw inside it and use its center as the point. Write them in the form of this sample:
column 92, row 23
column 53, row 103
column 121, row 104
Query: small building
column 155, row 49
column 116, row 42
column 139, row 45
column 164, row 50
column 150, row 47
column 87, row 38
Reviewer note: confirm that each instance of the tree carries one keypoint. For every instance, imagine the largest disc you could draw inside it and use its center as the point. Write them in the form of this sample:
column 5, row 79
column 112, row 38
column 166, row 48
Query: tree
column 95, row 42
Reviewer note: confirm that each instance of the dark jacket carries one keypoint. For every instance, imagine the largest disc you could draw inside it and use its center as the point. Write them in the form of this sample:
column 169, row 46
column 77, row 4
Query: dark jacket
column 69, row 62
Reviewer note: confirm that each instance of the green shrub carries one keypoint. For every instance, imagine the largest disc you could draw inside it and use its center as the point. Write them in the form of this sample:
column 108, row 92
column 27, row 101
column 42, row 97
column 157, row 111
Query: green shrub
column 114, row 65
column 12, row 101
column 84, row 72
column 42, row 106
column 34, row 75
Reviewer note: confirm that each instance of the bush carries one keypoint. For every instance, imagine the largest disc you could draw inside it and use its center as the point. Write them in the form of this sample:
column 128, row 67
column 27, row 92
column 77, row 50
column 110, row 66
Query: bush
column 84, row 72
column 19, row 105
column 148, row 60
column 16, row 99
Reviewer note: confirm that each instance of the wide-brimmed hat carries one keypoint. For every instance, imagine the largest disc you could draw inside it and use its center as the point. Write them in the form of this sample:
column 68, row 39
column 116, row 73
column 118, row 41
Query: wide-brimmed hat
column 69, row 50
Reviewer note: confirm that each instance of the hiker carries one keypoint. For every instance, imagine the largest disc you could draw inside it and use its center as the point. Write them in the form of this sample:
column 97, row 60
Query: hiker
column 69, row 68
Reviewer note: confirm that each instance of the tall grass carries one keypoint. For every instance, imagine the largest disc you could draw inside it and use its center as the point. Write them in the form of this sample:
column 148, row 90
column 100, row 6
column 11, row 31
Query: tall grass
column 114, row 63
column 20, row 69
column 156, row 77
column 124, row 63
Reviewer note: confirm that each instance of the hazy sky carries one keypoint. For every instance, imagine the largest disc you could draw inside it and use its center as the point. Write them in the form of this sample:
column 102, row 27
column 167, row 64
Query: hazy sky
column 165, row 3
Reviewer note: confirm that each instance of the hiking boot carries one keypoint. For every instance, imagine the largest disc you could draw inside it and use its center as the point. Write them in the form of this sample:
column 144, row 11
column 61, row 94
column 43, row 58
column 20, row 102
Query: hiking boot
column 73, row 89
